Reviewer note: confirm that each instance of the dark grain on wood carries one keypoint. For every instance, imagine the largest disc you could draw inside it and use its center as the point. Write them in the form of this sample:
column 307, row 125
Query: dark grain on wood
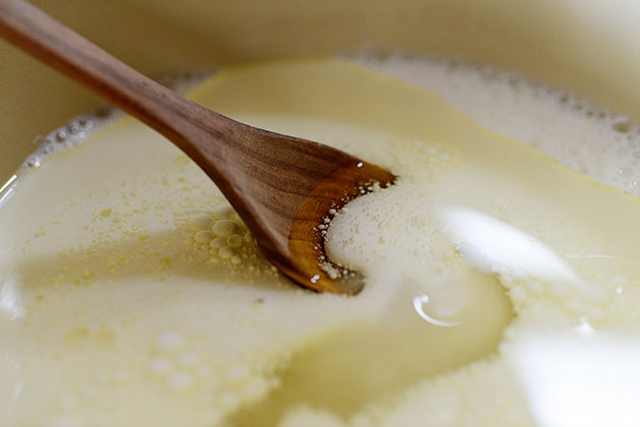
column 281, row 186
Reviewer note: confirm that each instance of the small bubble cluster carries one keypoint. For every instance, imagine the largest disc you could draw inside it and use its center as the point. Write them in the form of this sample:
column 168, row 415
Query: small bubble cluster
column 333, row 269
column 323, row 227
column 227, row 241
column 176, row 364
column 76, row 130
column 71, row 134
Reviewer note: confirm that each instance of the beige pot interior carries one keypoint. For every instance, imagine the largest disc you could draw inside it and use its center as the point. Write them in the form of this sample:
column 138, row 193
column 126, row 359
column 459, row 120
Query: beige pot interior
column 589, row 47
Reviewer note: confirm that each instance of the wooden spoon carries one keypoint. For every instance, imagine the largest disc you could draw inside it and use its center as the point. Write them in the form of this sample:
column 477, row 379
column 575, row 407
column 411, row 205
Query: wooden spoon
column 281, row 186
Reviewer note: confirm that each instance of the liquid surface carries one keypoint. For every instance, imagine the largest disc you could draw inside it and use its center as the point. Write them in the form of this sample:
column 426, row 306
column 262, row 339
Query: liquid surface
column 502, row 287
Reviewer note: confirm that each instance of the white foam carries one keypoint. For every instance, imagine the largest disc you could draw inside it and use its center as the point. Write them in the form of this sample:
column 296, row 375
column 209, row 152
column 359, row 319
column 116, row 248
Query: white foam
column 590, row 140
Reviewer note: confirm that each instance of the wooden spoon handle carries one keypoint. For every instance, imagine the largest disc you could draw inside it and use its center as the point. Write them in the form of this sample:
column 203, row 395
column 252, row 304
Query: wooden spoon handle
column 31, row 29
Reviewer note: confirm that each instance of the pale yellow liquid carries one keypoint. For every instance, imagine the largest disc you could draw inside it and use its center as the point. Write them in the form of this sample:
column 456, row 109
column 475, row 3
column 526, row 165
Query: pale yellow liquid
column 118, row 309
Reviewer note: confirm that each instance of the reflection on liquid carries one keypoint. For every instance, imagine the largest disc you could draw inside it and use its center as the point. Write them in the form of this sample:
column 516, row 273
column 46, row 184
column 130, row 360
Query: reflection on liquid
column 580, row 377
column 11, row 300
column 581, row 381
column 7, row 189
column 585, row 328
column 418, row 304
column 496, row 247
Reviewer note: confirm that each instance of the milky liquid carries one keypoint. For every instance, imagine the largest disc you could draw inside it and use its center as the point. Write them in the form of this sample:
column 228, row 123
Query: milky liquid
column 500, row 288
